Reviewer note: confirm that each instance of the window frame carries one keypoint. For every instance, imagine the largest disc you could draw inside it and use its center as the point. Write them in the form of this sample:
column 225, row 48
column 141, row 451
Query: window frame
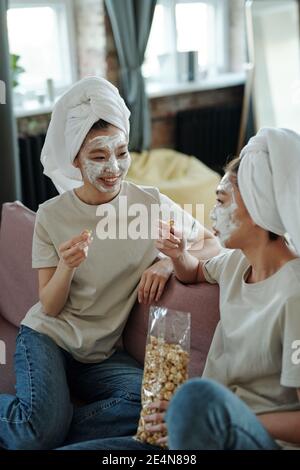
column 66, row 29
column 222, row 28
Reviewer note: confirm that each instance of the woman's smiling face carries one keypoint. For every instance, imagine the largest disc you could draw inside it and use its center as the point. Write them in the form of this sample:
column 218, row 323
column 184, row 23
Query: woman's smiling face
column 104, row 159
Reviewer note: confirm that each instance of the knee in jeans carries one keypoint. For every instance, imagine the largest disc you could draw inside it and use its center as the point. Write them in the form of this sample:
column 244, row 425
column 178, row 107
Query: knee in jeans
column 197, row 393
column 208, row 389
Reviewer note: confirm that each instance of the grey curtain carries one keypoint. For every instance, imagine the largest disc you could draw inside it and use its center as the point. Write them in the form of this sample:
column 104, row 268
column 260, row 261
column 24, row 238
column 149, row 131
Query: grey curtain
column 10, row 186
column 131, row 23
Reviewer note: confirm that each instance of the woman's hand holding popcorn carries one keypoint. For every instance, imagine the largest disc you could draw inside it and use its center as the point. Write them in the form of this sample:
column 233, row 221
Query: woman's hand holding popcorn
column 170, row 241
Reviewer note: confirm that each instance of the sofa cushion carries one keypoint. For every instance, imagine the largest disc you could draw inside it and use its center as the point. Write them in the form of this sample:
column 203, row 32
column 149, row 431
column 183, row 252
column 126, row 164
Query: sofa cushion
column 201, row 300
column 19, row 286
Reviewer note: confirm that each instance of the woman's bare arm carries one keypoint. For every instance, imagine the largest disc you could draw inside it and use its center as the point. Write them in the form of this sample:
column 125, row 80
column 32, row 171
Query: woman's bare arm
column 54, row 283
column 188, row 269
column 54, row 287
column 284, row 425
column 206, row 246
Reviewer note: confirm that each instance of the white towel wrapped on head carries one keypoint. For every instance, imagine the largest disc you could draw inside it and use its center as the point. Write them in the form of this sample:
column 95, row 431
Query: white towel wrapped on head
column 73, row 115
column 269, row 181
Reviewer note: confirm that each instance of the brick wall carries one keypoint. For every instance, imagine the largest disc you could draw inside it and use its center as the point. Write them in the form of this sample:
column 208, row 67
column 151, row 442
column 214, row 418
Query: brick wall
column 96, row 50
column 90, row 37
column 237, row 35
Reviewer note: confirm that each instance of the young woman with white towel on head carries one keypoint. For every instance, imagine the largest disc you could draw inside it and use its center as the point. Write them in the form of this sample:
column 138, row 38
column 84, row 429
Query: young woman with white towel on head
column 249, row 396
column 67, row 341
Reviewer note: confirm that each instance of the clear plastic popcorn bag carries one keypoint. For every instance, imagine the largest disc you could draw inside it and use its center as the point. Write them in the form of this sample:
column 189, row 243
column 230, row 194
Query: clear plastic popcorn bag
column 166, row 362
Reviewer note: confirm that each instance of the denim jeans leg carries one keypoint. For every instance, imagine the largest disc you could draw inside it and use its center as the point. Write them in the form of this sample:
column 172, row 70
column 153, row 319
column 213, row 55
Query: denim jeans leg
column 112, row 443
column 39, row 415
column 112, row 390
column 205, row 415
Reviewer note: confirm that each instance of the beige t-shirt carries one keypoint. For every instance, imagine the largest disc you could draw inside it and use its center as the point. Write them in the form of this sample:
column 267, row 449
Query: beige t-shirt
column 253, row 349
column 104, row 286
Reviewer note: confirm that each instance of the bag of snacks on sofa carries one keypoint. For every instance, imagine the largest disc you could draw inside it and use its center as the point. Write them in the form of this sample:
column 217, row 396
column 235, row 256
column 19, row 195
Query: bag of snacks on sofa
column 166, row 362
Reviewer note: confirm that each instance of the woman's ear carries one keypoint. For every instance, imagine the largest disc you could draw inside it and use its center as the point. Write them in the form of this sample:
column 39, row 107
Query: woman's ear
column 76, row 162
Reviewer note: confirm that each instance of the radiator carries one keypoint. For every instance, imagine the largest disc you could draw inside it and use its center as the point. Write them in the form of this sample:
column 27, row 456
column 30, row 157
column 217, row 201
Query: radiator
column 36, row 187
column 210, row 134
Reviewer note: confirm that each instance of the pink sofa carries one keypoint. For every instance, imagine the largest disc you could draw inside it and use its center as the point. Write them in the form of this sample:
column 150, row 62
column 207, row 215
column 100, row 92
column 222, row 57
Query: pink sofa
column 18, row 292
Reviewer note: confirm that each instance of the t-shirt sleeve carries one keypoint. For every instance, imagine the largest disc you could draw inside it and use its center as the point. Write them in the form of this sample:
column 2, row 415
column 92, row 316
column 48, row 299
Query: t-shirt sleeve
column 44, row 254
column 212, row 268
column 290, row 374
column 184, row 221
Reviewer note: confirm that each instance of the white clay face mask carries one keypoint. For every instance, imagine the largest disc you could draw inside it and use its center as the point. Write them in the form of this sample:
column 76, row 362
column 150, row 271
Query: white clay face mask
column 223, row 217
column 110, row 163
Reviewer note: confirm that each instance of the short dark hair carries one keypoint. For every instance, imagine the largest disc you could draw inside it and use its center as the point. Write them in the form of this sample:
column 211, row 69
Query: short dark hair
column 100, row 124
column 233, row 167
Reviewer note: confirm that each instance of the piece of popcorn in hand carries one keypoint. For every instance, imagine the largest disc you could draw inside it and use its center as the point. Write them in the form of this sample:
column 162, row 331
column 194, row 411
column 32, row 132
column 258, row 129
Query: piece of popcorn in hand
column 90, row 239
column 83, row 245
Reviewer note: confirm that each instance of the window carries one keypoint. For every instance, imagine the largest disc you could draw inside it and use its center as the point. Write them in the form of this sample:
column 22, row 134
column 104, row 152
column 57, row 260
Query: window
column 41, row 33
column 188, row 40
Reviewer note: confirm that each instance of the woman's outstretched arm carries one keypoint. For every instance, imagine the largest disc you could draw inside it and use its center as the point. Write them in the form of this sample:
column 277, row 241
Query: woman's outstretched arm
column 187, row 262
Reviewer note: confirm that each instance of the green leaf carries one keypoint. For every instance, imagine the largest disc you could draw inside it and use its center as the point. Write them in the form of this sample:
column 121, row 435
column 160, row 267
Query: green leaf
column 15, row 68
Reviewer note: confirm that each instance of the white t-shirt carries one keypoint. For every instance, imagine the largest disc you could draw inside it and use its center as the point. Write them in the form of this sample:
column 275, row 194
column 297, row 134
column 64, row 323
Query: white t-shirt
column 253, row 349
column 104, row 287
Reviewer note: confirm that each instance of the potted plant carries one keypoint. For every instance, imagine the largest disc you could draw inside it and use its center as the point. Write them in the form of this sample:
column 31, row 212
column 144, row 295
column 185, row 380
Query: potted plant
column 15, row 68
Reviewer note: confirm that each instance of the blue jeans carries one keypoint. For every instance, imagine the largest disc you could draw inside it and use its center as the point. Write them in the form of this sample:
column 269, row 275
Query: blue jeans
column 204, row 415
column 41, row 415
column 111, row 443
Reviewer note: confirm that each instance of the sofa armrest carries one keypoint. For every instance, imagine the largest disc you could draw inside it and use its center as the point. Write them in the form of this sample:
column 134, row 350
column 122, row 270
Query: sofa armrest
column 19, row 282
column 201, row 300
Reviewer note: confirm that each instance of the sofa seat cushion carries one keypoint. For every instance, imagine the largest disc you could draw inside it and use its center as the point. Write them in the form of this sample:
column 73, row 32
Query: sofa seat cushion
column 201, row 300
column 19, row 286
